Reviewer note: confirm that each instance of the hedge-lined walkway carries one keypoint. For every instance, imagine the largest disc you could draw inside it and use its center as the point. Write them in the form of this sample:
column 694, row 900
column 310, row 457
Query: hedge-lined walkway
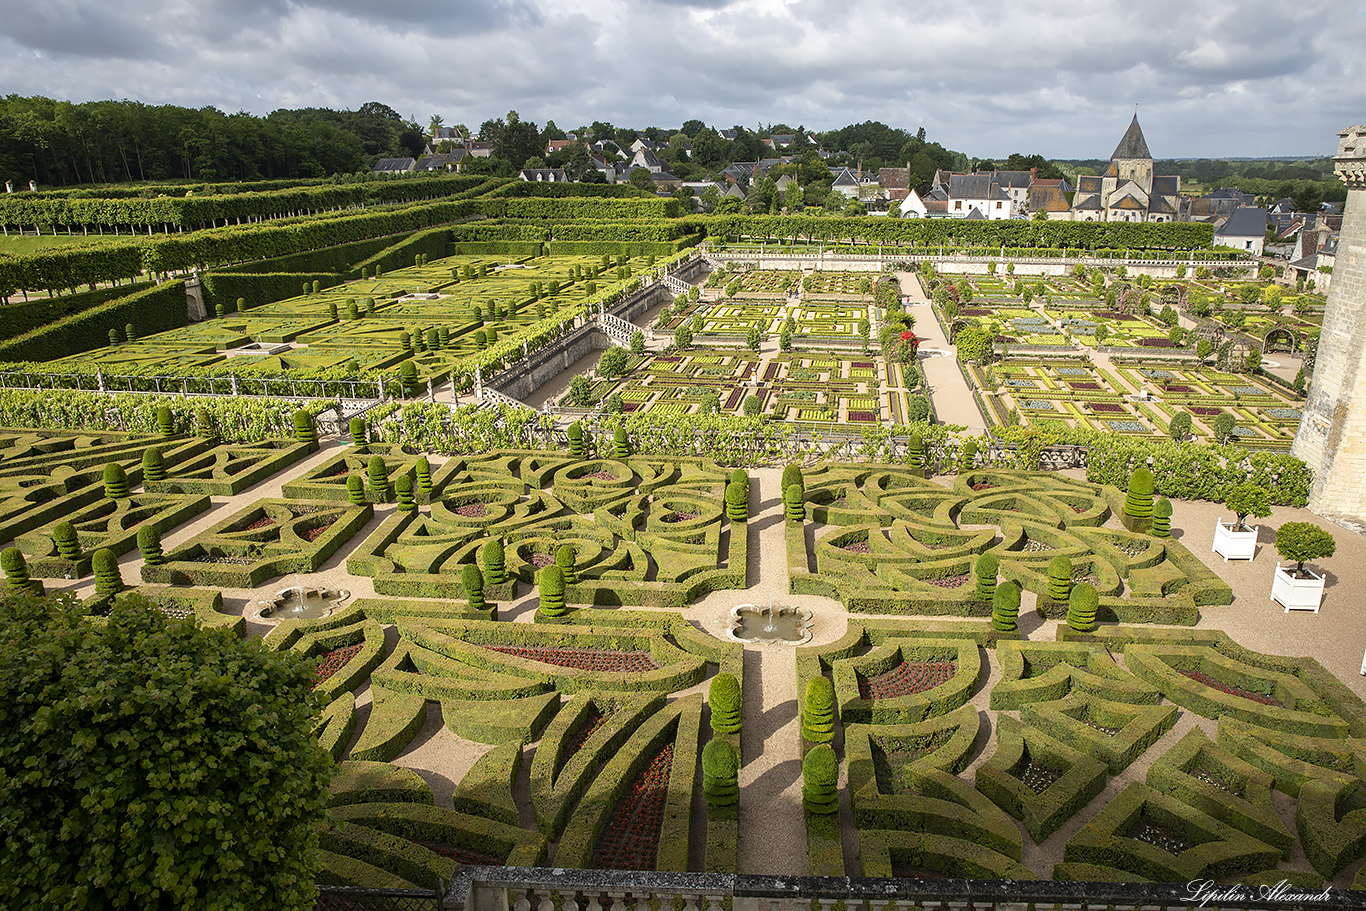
column 953, row 401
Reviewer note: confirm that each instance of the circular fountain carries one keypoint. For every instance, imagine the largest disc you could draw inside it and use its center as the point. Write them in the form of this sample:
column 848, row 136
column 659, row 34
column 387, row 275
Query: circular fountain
column 753, row 623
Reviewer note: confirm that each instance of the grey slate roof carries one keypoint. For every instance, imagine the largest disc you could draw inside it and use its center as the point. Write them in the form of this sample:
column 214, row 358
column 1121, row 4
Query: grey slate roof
column 1246, row 221
column 1132, row 145
column 386, row 165
column 1166, row 185
column 1013, row 178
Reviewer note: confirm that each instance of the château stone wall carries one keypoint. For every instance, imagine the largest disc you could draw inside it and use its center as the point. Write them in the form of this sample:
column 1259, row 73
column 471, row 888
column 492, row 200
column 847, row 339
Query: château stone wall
column 1332, row 434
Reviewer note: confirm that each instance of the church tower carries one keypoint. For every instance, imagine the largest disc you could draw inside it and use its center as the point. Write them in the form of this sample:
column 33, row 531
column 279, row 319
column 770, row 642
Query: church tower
column 1132, row 160
column 1332, row 435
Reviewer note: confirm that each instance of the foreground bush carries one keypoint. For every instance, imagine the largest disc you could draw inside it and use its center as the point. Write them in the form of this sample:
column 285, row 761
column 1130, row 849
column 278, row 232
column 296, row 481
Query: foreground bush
column 149, row 763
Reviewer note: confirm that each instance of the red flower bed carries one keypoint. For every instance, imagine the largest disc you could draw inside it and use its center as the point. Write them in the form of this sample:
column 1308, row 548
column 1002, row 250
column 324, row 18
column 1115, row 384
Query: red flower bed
column 974, row 311
column 462, row 855
column 866, row 417
column 472, row 510
column 950, row 581
column 1204, row 411
column 334, row 660
column 1156, row 343
column 601, row 476
column 1231, row 690
column 341, row 472
column 982, row 486
column 859, row 547
column 586, row 659
column 263, row 522
column 539, row 559
column 314, row 533
column 1082, row 384
column 868, row 365
column 595, row 720
column 679, row 517
column 1107, row 408
column 630, row 840
column 1176, row 388
column 906, row 678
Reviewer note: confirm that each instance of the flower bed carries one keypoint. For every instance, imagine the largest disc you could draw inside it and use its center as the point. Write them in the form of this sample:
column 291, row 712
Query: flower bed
column 859, row 547
column 601, row 476
column 630, row 840
column 585, row 659
column 866, row 417
column 950, row 581
column 1222, row 687
column 471, row 511
column 1107, row 408
column 906, row 679
column 334, row 660
column 462, row 855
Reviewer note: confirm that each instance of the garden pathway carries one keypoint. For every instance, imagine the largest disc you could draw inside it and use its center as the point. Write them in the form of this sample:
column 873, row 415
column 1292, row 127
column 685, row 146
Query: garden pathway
column 953, row 401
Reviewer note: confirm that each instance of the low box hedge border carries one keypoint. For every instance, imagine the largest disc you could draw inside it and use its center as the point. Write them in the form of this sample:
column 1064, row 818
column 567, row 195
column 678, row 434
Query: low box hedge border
column 881, row 851
column 361, row 781
column 1291, row 759
column 943, row 698
column 486, row 789
column 395, row 718
column 1139, row 726
column 519, row 847
column 500, row 721
column 1332, row 824
column 1042, row 812
column 1044, row 671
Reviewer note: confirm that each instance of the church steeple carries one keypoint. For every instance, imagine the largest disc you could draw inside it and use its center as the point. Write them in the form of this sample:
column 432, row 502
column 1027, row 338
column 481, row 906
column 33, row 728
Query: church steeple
column 1133, row 145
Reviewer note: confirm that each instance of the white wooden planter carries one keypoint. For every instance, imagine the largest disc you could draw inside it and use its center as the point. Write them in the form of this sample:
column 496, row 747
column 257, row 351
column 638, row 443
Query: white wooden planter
column 1296, row 594
column 1234, row 545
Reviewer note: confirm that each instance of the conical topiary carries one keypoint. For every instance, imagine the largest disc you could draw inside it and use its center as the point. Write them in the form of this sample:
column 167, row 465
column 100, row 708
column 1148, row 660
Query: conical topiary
column 551, row 585
column 723, row 696
column 472, row 580
column 149, row 545
column 564, row 559
column 16, row 572
column 495, row 566
column 720, row 774
column 1138, row 501
column 575, row 434
column 621, row 444
column 378, row 477
column 985, row 572
column 737, row 501
column 108, row 578
column 793, row 503
column 153, row 465
column 1081, row 607
column 792, row 474
column 204, row 425
column 165, row 422
column 355, row 490
column 1162, row 518
column 115, row 481
column 1005, row 607
column 403, row 493
column 423, row 470
column 915, row 455
column 358, row 433
column 304, row 430
column 1059, row 578
column 68, row 543
column 818, row 711
column 820, row 774
column 967, row 456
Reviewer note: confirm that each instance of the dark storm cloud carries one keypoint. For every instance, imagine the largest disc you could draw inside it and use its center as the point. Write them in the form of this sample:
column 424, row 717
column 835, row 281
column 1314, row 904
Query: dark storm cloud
column 1212, row 77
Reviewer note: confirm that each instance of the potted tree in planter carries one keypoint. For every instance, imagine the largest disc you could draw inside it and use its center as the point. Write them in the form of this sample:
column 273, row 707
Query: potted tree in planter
column 1235, row 540
column 1298, row 588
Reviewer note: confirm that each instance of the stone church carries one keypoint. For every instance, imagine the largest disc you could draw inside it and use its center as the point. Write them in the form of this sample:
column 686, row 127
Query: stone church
column 1128, row 190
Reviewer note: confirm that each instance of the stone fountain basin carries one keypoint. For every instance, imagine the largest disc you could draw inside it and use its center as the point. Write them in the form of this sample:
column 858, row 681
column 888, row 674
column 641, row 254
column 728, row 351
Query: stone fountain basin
column 748, row 622
column 301, row 604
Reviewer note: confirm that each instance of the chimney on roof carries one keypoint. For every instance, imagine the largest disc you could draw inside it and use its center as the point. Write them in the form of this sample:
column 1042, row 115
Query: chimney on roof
column 1033, row 174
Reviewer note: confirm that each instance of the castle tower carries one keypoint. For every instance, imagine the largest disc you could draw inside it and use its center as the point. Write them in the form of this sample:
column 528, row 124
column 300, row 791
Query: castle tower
column 1332, row 435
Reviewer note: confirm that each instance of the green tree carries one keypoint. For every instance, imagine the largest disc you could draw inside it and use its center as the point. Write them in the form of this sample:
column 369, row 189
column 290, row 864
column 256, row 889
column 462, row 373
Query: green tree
column 1248, row 500
column 754, row 338
column 683, row 336
column 1224, row 425
column 637, row 342
column 642, row 179
column 612, row 364
column 1302, row 542
column 1180, row 427
column 139, row 772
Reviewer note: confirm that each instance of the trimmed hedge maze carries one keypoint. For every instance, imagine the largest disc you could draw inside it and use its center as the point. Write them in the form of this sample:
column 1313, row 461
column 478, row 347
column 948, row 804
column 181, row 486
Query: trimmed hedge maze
column 887, row 541
column 1219, row 729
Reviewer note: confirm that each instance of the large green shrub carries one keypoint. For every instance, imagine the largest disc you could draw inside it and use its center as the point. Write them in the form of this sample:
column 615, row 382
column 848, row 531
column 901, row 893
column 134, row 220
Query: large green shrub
column 792, row 474
column 575, row 434
column 358, row 432
column 565, row 555
column 723, row 696
column 304, row 430
column 149, row 545
column 551, row 585
column 472, row 580
column 153, row 464
column 1162, row 518
column 1302, row 542
column 355, row 490
column 793, row 503
column 737, row 501
column 984, row 572
column 1005, row 607
column 16, row 572
column 423, row 470
column 1081, row 607
column 165, row 423
column 915, row 455
column 720, row 774
column 495, row 567
column 1059, row 578
column 115, row 481
column 1138, row 499
column 818, row 711
column 138, row 772
column 204, row 425
column 621, row 443
column 66, row 539
column 377, row 475
column 403, row 493
column 108, row 578
column 820, row 775
column 967, row 455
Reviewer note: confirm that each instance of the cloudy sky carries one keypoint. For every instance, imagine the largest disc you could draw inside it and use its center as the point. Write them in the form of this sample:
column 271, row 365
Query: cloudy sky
column 990, row 77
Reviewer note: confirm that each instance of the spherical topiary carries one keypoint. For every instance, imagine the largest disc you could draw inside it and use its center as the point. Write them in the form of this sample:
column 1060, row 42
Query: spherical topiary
column 67, row 541
column 621, row 444
column 115, row 481
column 723, row 696
column 108, row 578
column 793, row 503
column 153, row 465
column 915, row 454
column 378, row 476
column 403, row 493
column 165, row 423
column 820, row 773
column 551, row 585
column 1005, row 607
column 16, row 572
column 1059, row 578
column 720, row 774
column 1162, row 518
column 967, row 456
column 358, row 433
column 564, row 559
column 423, row 470
column 355, row 490
column 304, row 430
column 985, row 572
column 204, row 425
column 818, row 711
column 1081, row 607
column 1138, row 500
column 576, row 440
column 495, row 566
column 792, row 474
column 473, row 582
column 737, row 501
column 149, row 545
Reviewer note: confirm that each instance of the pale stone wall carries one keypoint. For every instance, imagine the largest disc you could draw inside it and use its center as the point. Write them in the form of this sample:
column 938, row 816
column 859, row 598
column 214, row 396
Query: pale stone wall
column 1332, row 434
